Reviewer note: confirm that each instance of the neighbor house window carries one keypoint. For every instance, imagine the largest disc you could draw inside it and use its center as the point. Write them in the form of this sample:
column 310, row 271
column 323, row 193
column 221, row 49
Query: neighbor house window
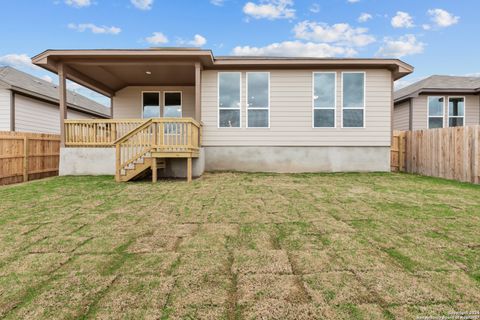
column 435, row 112
column 324, row 99
column 456, row 111
column 151, row 104
column 258, row 99
column 229, row 99
column 353, row 86
column 172, row 104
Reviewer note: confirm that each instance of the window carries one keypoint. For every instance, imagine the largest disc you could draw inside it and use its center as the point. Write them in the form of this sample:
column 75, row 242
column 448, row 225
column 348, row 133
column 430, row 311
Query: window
column 229, row 99
column 353, row 86
column 151, row 104
column 456, row 111
column 324, row 99
column 172, row 104
column 435, row 112
column 258, row 99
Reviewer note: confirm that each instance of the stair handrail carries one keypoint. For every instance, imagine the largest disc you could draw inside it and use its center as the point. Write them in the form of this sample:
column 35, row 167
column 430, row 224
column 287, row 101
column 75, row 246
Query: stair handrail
column 133, row 131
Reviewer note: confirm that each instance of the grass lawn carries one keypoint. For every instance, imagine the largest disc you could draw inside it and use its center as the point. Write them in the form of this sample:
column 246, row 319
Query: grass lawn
column 240, row 246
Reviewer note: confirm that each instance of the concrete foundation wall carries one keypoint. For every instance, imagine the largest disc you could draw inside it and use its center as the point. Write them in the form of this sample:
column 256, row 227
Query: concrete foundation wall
column 297, row 159
column 101, row 161
column 87, row 161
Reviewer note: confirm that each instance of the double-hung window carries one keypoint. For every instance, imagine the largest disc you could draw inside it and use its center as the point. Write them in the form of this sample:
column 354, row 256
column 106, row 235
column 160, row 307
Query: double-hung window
column 436, row 107
column 324, row 99
column 229, row 84
column 258, row 99
column 151, row 104
column 353, row 99
column 456, row 111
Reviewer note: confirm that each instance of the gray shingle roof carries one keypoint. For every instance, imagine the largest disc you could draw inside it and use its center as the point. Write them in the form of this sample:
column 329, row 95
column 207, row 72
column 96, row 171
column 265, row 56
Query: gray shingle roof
column 24, row 82
column 438, row 83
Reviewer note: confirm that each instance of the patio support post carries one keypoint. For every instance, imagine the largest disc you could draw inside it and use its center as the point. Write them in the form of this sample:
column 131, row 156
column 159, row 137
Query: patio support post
column 62, row 87
column 198, row 83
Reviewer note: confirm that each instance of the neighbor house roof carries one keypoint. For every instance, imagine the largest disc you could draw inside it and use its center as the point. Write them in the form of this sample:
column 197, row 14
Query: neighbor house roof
column 110, row 70
column 439, row 84
column 27, row 84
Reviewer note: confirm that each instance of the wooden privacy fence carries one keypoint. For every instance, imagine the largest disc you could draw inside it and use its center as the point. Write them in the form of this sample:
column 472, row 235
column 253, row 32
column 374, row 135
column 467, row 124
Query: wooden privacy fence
column 28, row 156
column 451, row 153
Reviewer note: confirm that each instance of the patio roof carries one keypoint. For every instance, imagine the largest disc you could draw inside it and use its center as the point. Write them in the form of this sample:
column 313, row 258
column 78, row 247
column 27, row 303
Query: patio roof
column 109, row 70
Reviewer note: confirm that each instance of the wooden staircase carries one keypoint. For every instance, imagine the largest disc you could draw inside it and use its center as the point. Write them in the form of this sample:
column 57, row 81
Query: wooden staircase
column 151, row 143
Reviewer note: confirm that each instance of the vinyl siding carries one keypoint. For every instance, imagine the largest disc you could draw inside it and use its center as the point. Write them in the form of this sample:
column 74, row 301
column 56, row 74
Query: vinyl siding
column 32, row 115
column 291, row 113
column 420, row 110
column 127, row 103
column 4, row 110
column 401, row 116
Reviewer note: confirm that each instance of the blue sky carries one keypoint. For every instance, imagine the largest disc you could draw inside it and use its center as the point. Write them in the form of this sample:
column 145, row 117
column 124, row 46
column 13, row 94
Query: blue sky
column 436, row 37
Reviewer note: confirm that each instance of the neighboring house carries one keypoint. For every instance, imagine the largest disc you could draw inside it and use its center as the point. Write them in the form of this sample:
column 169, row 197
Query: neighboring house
column 30, row 104
column 256, row 113
column 438, row 102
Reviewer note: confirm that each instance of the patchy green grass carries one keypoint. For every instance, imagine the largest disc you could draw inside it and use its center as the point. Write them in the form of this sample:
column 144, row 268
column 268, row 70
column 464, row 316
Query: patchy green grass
column 240, row 246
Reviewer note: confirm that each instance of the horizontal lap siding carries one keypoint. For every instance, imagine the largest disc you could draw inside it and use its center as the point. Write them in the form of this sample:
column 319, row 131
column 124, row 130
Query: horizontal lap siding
column 291, row 114
column 127, row 103
column 420, row 110
column 401, row 116
column 4, row 110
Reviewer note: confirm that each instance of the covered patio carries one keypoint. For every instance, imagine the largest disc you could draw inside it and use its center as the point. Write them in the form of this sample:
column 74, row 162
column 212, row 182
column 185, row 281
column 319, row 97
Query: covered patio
column 155, row 104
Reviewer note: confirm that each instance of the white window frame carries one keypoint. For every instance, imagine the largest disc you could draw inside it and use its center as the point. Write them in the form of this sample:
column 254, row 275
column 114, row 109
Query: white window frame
column 464, row 110
column 163, row 102
column 159, row 101
column 443, row 111
column 364, row 101
column 246, row 100
column 218, row 101
column 313, row 101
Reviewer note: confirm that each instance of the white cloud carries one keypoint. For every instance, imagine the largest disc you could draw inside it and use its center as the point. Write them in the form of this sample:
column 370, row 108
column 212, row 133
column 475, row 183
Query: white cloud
column 47, row 78
column 340, row 33
column 403, row 46
column 198, row 41
column 315, row 8
column 426, row 27
column 142, row 4
column 94, row 28
column 442, row 18
column 270, row 9
column 353, row 1
column 157, row 38
column 295, row 49
column 402, row 20
column 78, row 3
column 217, row 2
column 21, row 61
column 364, row 17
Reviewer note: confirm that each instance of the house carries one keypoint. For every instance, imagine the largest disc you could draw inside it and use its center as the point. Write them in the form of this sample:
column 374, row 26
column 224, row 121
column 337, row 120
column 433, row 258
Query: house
column 438, row 102
column 186, row 111
column 30, row 104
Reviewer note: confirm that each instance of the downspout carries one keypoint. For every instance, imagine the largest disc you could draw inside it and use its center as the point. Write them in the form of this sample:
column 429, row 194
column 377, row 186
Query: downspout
column 12, row 110
column 410, row 114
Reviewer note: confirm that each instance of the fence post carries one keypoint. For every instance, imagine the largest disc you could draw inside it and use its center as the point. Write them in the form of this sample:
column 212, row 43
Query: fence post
column 25, row 158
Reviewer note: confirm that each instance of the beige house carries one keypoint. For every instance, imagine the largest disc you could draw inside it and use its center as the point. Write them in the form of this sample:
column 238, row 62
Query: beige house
column 438, row 102
column 227, row 113
column 30, row 104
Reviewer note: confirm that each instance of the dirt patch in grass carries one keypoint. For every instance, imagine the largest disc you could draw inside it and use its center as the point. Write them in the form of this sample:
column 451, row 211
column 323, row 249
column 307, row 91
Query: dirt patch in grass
column 35, row 264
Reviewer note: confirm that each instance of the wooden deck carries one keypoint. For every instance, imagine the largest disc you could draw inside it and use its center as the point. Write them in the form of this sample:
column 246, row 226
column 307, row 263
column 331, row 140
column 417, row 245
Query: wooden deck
column 139, row 143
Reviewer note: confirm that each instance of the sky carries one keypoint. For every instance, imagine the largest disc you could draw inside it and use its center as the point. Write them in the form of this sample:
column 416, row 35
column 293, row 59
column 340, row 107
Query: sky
column 436, row 37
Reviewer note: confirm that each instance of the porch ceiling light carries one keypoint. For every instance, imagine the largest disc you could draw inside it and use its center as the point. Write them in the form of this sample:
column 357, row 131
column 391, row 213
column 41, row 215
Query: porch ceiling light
column 148, row 72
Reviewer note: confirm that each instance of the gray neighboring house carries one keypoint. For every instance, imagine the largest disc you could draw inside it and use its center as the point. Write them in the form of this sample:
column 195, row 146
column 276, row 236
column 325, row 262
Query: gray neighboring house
column 30, row 104
column 437, row 102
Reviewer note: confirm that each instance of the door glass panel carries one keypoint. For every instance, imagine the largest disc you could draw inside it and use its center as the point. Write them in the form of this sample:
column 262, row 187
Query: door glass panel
column 151, row 105
column 173, row 105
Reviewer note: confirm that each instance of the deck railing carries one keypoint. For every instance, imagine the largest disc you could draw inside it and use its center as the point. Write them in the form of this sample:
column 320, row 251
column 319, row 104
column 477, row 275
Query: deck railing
column 171, row 134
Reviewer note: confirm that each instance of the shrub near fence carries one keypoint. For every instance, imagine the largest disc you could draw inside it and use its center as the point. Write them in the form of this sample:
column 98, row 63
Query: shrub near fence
column 28, row 156
column 451, row 153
